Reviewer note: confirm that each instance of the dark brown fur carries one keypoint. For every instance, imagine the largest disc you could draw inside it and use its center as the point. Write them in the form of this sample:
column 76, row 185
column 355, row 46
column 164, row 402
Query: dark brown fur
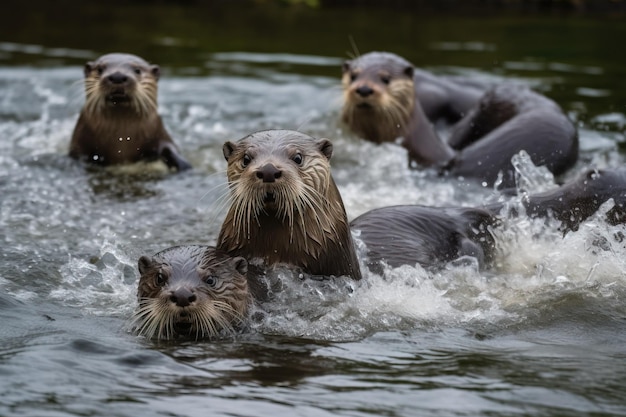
column 386, row 98
column 119, row 122
column 286, row 208
column 195, row 291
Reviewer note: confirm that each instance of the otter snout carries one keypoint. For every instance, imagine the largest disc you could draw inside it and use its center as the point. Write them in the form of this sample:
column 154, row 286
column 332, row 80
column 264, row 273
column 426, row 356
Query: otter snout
column 182, row 297
column 268, row 173
column 117, row 78
column 364, row 91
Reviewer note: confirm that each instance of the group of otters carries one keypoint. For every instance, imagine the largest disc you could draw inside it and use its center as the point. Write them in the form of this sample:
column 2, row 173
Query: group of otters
column 286, row 209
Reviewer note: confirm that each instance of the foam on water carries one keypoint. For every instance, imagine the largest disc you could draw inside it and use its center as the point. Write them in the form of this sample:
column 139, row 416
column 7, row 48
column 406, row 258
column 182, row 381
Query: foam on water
column 90, row 226
column 536, row 267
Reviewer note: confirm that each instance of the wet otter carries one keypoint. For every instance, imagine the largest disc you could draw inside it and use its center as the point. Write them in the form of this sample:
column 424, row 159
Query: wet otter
column 119, row 122
column 285, row 206
column 575, row 201
column 195, row 291
column 430, row 236
column 385, row 98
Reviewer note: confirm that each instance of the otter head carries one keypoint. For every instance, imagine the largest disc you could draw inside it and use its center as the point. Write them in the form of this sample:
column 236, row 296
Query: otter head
column 285, row 206
column 192, row 291
column 121, row 83
column 379, row 95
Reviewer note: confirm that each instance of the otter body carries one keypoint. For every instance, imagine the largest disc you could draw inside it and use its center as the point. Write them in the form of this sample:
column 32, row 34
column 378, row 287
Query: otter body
column 119, row 122
column 431, row 236
column 428, row 236
column 386, row 98
column 286, row 208
column 195, row 291
column 575, row 201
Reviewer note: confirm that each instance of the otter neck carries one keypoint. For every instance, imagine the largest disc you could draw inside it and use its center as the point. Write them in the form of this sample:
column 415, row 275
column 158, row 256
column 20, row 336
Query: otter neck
column 319, row 249
column 424, row 145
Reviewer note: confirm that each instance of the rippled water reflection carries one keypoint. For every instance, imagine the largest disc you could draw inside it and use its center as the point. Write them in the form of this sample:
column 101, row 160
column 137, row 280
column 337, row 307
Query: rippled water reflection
column 542, row 334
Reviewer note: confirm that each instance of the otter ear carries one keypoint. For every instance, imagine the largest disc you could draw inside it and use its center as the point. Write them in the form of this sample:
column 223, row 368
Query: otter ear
column 88, row 68
column 326, row 147
column 346, row 66
column 145, row 263
column 409, row 71
column 228, row 149
column 240, row 264
column 156, row 71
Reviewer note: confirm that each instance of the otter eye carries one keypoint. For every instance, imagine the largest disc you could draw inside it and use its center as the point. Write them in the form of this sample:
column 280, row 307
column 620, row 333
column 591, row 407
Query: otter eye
column 100, row 70
column 211, row 281
column 160, row 279
column 385, row 79
column 246, row 160
column 353, row 76
column 297, row 158
column 137, row 71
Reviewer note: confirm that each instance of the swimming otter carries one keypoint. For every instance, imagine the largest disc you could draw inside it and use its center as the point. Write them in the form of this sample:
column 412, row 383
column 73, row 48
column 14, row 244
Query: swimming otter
column 385, row 98
column 195, row 291
column 285, row 206
column 119, row 122
column 575, row 201
column 428, row 236
column 431, row 236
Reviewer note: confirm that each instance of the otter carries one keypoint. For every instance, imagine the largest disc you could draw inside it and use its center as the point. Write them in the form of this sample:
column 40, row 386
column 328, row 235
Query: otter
column 119, row 122
column 575, row 201
column 431, row 236
column 386, row 97
column 191, row 291
column 428, row 236
column 286, row 208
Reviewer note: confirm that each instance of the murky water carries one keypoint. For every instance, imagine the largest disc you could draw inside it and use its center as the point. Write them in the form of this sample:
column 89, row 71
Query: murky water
column 544, row 333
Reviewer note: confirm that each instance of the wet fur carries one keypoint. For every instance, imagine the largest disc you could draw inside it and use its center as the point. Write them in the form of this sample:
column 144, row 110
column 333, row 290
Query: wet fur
column 490, row 127
column 170, row 277
column 119, row 122
column 577, row 200
column 304, row 223
column 432, row 236
column 428, row 236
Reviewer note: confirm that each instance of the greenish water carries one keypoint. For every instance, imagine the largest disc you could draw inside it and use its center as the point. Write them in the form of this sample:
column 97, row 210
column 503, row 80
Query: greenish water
column 543, row 334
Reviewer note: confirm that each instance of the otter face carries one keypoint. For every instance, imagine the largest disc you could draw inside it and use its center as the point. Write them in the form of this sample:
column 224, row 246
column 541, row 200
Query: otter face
column 190, row 291
column 379, row 95
column 285, row 207
column 121, row 82
column 279, row 173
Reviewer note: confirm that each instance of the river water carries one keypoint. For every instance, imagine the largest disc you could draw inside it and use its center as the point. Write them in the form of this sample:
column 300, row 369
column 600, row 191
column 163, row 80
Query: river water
column 542, row 334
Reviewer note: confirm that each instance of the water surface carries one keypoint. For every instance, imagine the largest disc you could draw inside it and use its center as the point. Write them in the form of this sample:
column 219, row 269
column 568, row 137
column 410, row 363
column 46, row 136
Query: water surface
column 541, row 334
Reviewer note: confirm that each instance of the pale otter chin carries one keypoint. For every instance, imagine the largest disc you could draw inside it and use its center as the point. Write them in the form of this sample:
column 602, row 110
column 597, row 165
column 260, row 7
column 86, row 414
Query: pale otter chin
column 285, row 206
column 119, row 122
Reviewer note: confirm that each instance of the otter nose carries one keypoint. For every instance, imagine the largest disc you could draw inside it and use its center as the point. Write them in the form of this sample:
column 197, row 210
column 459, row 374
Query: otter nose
column 117, row 78
column 364, row 91
column 268, row 173
column 182, row 297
